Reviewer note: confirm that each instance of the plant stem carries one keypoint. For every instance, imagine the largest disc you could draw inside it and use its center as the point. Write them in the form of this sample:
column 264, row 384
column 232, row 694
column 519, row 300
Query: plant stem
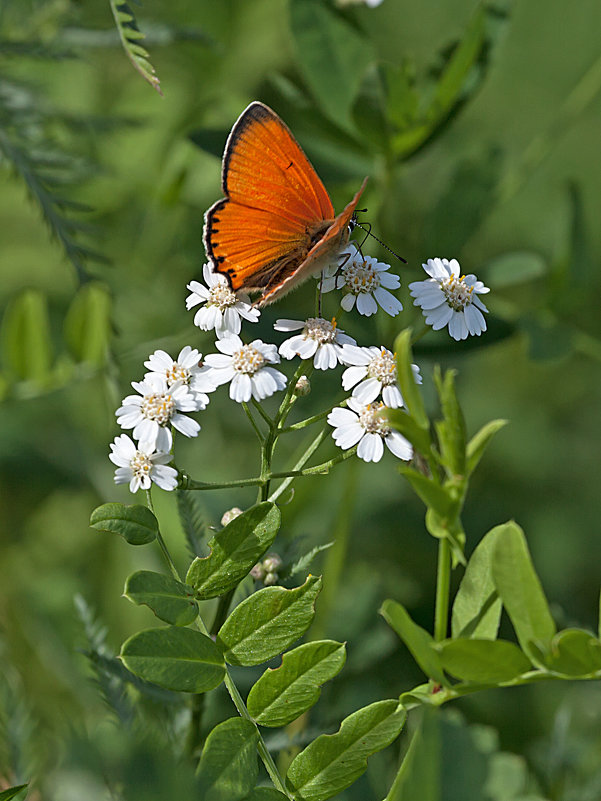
column 300, row 464
column 443, row 580
column 258, row 431
column 304, row 423
column 161, row 541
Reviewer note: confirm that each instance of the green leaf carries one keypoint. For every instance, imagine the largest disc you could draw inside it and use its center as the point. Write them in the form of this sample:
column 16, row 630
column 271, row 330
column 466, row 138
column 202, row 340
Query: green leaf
column 417, row 640
column 304, row 561
column 26, row 340
column 284, row 693
column 406, row 425
column 268, row 622
column 430, row 492
column 449, row 528
column 409, row 389
column 451, row 430
column 477, row 606
column 333, row 56
column 479, row 442
column 511, row 269
column 87, row 328
column 266, row 794
column 228, row 766
column 169, row 599
column 573, row 652
column 174, row 658
column 519, row 587
column 130, row 34
column 6, row 795
column 136, row 524
column 483, row 661
column 234, row 550
column 334, row 761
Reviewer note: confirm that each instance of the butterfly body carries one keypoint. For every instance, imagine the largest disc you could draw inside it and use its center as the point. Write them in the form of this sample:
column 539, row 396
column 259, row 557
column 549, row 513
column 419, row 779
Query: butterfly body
column 276, row 224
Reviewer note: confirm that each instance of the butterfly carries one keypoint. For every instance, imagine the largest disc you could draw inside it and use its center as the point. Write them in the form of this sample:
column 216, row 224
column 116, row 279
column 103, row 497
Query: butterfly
column 276, row 225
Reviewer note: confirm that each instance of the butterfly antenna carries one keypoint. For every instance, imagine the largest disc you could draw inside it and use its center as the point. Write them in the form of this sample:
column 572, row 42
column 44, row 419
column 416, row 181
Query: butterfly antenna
column 354, row 223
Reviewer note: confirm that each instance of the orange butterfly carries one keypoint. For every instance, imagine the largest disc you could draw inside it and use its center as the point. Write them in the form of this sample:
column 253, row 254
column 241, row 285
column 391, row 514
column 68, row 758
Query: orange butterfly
column 276, row 225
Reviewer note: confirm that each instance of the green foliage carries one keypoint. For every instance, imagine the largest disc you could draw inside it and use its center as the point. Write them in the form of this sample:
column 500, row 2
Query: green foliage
column 26, row 342
column 268, row 622
column 447, row 760
column 88, row 326
column 228, row 767
column 477, row 606
column 483, row 661
column 192, row 515
column 136, row 524
column 334, row 761
column 12, row 792
column 130, row 36
column 284, row 693
column 234, row 550
column 175, row 658
column 169, row 599
column 417, row 640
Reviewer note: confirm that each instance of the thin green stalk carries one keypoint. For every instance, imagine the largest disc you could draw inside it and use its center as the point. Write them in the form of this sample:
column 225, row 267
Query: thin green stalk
column 300, row 464
column 304, row 423
column 262, row 412
column 253, row 423
column 188, row 483
column 161, row 541
column 324, row 467
column 443, row 581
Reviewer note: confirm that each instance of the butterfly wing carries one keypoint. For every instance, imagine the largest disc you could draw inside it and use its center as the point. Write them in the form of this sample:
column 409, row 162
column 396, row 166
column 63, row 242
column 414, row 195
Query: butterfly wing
column 275, row 211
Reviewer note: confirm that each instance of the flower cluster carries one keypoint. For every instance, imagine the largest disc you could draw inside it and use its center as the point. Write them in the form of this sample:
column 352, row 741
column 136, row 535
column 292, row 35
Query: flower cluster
column 173, row 389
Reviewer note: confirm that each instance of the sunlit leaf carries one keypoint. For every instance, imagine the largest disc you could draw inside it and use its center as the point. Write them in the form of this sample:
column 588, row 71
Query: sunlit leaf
column 175, row 658
column 519, row 587
column 11, row 792
column 485, row 661
column 234, row 550
column 169, row 599
column 136, row 524
column 268, row 622
column 282, row 694
column 228, row 766
column 334, row 761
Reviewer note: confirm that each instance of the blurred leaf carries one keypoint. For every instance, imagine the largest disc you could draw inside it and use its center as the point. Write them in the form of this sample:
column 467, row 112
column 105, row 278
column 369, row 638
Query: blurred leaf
column 477, row 606
column 402, row 99
column 234, row 550
column 464, row 67
column 268, row 622
column 192, row 516
column 451, row 430
column 12, row 792
column 334, row 761
column 136, row 524
column 485, row 661
column 211, row 140
column 479, row 442
column 87, row 327
column 515, row 268
column 333, row 56
column 574, row 652
column 304, row 561
column 450, row 761
column 175, row 658
column 169, row 599
column 26, row 339
column 409, row 389
column 265, row 794
column 417, row 640
column 130, row 36
column 468, row 199
column 548, row 337
column 228, row 766
column 369, row 111
column 519, row 587
column 280, row 695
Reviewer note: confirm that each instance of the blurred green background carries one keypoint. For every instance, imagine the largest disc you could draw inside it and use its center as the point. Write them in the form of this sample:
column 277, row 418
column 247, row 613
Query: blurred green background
column 506, row 181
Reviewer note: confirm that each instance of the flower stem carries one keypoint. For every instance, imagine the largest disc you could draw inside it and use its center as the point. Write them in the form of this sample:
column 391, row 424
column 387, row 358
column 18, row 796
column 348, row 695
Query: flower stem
column 253, row 422
column 304, row 423
column 300, row 464
column 161, row 541
column 443, row 580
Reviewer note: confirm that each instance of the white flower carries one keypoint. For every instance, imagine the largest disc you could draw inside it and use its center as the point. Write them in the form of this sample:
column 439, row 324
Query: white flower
column 448, row 298
column 373, row 371
column 223, row 307
column 141, row 465
column 247, row 367
column 187, row 369
column 366, row 283
column 320, row 339
column 155, row 409
column 362, row 424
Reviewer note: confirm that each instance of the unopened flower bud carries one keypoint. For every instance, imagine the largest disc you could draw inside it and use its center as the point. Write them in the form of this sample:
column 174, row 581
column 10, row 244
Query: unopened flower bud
column 257, row 572
column 230, row 515
column 271, row 563
column 270, row 579
column 302, row 386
